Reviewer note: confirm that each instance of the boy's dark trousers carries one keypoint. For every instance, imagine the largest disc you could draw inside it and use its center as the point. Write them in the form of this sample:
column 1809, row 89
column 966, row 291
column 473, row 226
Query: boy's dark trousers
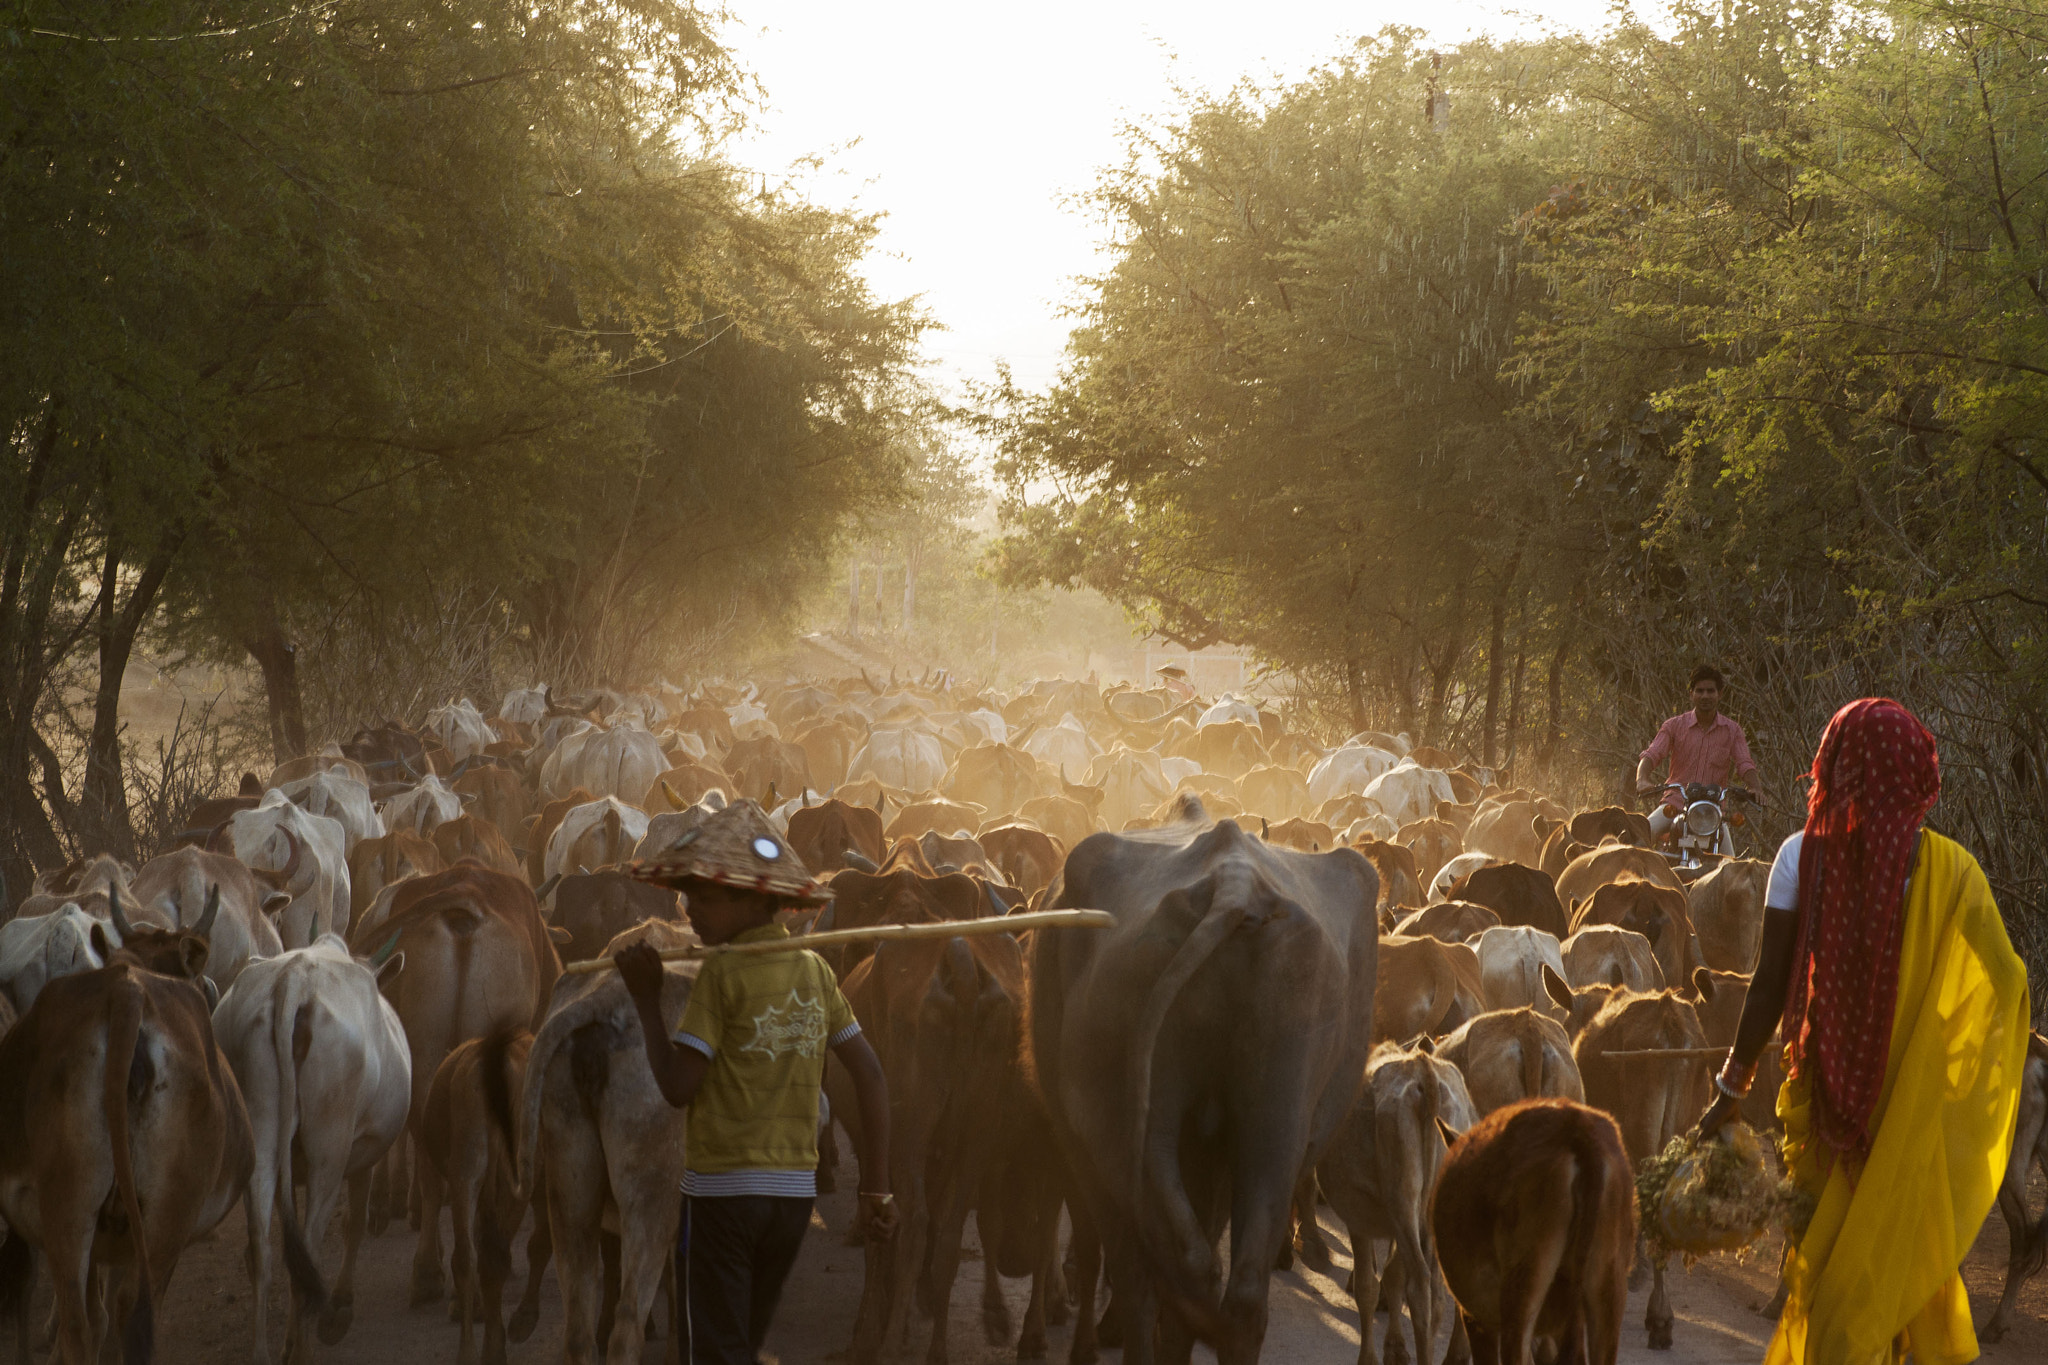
column 732, row 1254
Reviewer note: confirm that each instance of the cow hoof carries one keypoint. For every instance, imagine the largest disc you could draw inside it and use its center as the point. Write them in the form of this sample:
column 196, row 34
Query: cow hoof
column 427, row 1285
column 1110, row 1331
column 1316, row 1256
column 455, row 1310
column 1082, row 1355
column 1056, row 1310
column 335, row 1320
column 523, row 1319
column 378, row 1218
column 1993, row 1332
column 1031, row 1348
column 1660, row 1336
column 995, row 1321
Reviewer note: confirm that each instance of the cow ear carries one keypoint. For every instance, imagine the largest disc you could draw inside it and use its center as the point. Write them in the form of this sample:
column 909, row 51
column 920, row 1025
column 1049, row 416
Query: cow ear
column 1703, row 983
column 560, row 935
column 1544, row 826
column 275, row 903
column 1424, row 1043
column 192, row 952
column 97, row 937
column 1556, row 987
column 1449, row 1134
column 393, row 965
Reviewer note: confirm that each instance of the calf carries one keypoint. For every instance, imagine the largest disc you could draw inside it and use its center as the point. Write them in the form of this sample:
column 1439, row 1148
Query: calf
column 1424, row 986
column 322, row 1062
column 2027, row 1242
column 1535, row 1222
column 1656, row 912
column 1028, row 858
column 378, row 863
column 1511, row 1055
column 1377, row 1175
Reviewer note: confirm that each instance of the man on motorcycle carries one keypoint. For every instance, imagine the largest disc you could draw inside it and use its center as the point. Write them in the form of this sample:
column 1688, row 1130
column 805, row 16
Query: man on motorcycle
column 1702, row 745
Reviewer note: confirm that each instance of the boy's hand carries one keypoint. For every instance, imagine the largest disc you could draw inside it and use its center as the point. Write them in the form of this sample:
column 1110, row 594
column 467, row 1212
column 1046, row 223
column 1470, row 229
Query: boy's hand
column 877, row 1217
column 640, row 968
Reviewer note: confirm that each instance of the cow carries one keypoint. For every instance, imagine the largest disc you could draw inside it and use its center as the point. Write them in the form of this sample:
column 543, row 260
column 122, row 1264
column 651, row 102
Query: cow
column 1718, row 1002
column 329, row 760
column 422, row 806
column 684, row 786
column 1610, row 863
column 1171, row 1067
column 593, row 908
column 1071, row 816
column 1449, row 921
column 828, row 747
column 995, row 777
column 1408, row 792
column 37, row 949
column 1348, row 772
column 388, row 753
column 595, row 834
column 936, row 815
column 380, row 862
column 1511, row 963
column 341, row 798
column 1446, row 884
column 825, row 834
column 322, row 1063
column 1609, row 955
column 1231, row 747
column 1065, row 745
column 709, row 724
column 180, row 888
column 1434, row 843
column 1535, row 1221
column 945, row 1017
column 469, row 1144
column 901, row 757
column 1652, row 1099
column 540, row 828
column 210, row 814
column 621, row 762
column 1656, row 912
column 524, row 705
column 1512, row 831
column 1133, row 784
column 899, row 895
column 114, row 1098
column 1378, row 1174
column 478, row 958
column 1310, row 836
column 495, row 794
column 83, row 883
column 472, row 836
column 1519, row 894
column 1274, row 792
column 1400, row 884
column 1590, row 827
column 761, row 766
column 961, row 853
column 310, row 855
column 1425, row 986
column 2026, row 1240
column 459, row 728
column 1510, row 1055
column 1727, row 911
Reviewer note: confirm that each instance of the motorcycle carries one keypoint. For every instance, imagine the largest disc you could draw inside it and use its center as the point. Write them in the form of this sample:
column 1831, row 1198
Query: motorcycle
column 1702, row 833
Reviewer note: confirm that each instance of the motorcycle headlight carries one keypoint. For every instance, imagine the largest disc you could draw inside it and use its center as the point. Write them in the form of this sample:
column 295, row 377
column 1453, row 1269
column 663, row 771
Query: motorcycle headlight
column 1703, row 818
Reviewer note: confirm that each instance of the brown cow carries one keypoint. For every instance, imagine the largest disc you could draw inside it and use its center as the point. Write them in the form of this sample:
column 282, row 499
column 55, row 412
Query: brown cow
column 961, row 854
column 1511, row 1055
column 680, row 788
column 1559, row 848
column 1229, row 747
column 472, row 836
column 1652, row 1099
column 995, row 777
column 1028, row 858
column 708, row 723
column 1719, row 1007
column 1340, row 811
column 378, row 863
column 593, row 908
column 1274, row 792
column 1609, row 955
column 1512, row 831
column 1310, row 836
column 1535, row 1222
column 1727, row 910
column 1433, row 842
column 1457, row 814
column 540, row 828
column 1610, row 863
column 1400, row 883
column 900, row 896
column 478, row 959
column 115, row 1098
column 1424, row 986
column 945, row 1016
column 828, row 746
column 1518, row 894
column 1656, row 912
column 1589, row 827
column 937, row 815
column 1450, row 921
column 2027, row 1245
column 496, row 794
column 824, row 836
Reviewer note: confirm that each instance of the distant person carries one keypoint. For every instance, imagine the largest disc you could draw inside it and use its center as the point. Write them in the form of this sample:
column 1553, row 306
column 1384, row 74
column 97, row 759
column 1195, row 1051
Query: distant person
column 1702, row 745
column 1905, row 1021
column 748, row 1058
column 1174, row 679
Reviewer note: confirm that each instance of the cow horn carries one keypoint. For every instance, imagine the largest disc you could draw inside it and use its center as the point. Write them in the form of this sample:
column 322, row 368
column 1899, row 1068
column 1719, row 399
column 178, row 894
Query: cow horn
column 807, row 798
column 290, row 871
column 547, row 887
column 669, row 794
column 212, row 911
column 1264, row 828
column 770, row 803
column 114, row 912
column 859, row 862
column 213, row 844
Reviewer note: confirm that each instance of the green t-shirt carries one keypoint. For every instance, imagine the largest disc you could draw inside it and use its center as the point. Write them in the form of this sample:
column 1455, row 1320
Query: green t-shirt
column 765, row 1020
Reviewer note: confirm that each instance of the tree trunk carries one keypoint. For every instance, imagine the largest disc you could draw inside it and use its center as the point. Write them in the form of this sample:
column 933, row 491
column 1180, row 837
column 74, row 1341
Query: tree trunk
column 1514, row 733
column 279, row 660
column 104, row 801
column 909, row 592
column 1553, row 735
column 853, row 603
column 1354, row 691
column 1496, row 647
column 1442, row 674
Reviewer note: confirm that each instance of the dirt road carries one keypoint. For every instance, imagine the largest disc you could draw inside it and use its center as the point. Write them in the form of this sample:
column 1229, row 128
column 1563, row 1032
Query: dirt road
column 1313, row 1320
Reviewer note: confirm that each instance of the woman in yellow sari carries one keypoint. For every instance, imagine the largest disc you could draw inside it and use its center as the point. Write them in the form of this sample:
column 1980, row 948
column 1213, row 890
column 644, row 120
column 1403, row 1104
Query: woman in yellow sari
column 1906, row 1022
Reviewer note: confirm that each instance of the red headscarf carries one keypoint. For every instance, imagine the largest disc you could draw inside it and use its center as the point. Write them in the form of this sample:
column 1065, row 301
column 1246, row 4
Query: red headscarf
column 1874, row 778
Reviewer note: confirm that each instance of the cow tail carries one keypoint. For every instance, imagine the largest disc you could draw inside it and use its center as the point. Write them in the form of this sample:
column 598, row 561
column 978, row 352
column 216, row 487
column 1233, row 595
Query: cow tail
column 1532, row 1061
column 17, row 1277
column 292, row 1039
column 127, row 1064
column 494, row 1073
column 525, row 1139
column 1195, row 950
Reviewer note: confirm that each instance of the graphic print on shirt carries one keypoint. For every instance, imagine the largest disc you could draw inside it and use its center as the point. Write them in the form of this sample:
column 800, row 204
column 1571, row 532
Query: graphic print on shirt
column 797, row 1025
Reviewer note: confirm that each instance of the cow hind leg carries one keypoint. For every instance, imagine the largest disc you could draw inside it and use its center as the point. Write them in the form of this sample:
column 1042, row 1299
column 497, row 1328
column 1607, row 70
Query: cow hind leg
column 463, row 1305
column 257, row 1202
column 428, row 1281
column 995, row 1311
column 1087, row 1252
column 646, row 1234
column 1657, row 1316
column 339, row 1314
column 1365, row 1290
column 539, row 1251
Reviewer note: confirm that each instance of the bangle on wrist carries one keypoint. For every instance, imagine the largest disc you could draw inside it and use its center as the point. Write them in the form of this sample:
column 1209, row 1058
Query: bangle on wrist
column 885, row 1196
column 1735, row 1077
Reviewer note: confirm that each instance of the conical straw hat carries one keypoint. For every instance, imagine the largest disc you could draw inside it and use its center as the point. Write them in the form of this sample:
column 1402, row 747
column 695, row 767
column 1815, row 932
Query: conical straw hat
column 736, row 847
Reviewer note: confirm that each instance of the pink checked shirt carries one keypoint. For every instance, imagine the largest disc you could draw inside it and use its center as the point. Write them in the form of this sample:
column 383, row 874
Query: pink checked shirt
column 1718, row 754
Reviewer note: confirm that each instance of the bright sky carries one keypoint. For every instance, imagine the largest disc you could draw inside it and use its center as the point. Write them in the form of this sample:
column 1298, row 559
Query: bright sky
column 972, row 125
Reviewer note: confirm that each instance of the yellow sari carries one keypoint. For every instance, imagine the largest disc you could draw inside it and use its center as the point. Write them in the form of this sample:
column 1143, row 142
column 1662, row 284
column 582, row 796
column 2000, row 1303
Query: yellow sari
column 1878, row 1266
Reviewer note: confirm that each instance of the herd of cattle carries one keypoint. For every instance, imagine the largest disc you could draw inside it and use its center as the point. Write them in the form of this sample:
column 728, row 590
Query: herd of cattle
column 345, row 981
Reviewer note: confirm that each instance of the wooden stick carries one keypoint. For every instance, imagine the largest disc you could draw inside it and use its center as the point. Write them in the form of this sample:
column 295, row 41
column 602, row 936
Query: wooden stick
column 1685, row 1054
column 888, row 933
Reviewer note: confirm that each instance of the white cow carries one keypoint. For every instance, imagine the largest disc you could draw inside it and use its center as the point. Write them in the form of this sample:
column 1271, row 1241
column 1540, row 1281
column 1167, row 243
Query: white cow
column 311, row 852
column 593, row 835
column 1407, row 792
column 1464, row 865
column 340, row 798
column 1175, row 770
column 898, row 756
column 1347, row 772
column 1133, row 783
column 1511, row 963
column 429, row 805
column 1370, row 827
column 1229, row 707
column 622, row 761
column 37, row 949
column 524, row 705
column 1609, row 955
column 459, row 728
column 750, row 721
column 1067, row 745
column 323, row 1064
column 177, row 890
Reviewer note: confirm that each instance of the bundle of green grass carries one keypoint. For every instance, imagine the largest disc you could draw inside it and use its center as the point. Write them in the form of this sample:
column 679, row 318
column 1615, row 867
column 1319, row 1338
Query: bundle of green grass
column 1716, row 1194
